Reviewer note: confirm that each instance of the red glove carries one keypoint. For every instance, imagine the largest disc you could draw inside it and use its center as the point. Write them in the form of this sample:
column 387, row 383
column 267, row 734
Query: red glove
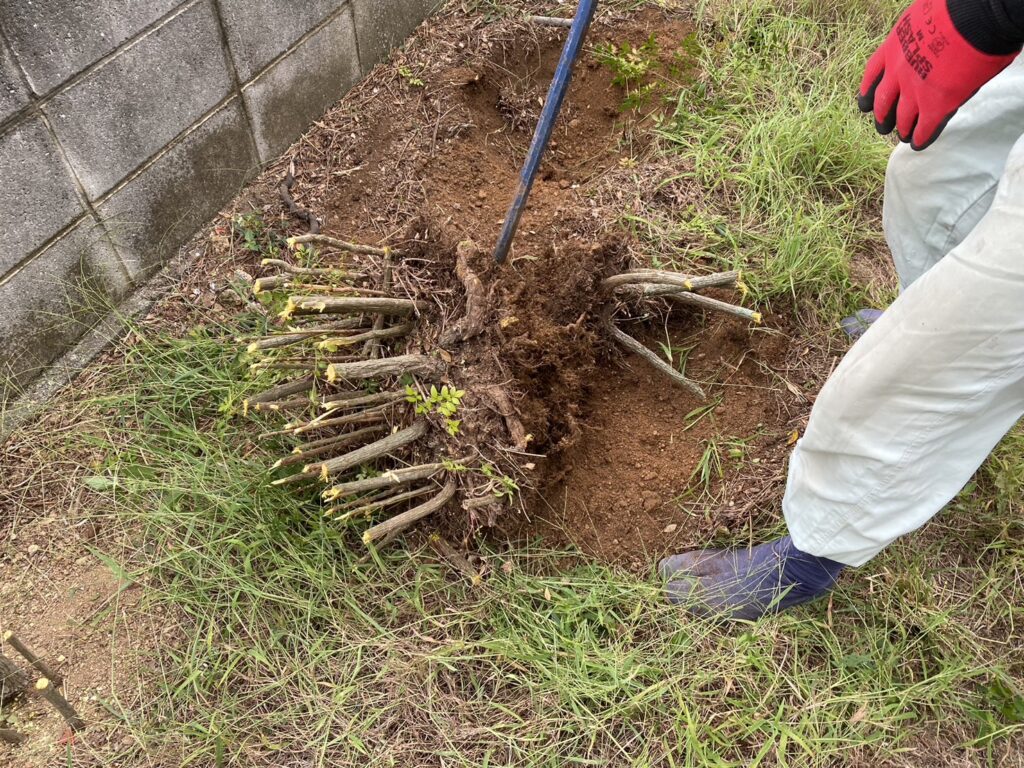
column 937, row 56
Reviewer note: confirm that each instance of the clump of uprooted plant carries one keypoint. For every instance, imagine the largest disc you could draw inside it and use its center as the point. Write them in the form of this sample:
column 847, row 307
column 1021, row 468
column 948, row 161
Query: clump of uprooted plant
column 375, row 412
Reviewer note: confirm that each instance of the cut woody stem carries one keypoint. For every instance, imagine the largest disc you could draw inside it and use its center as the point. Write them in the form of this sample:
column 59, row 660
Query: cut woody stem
column 377, row 505
column 372, row 347
column 395, row 331
column 350, row 305
column 49, row 692
column 391, row 366
column 390, row 528
column 359, row 456
column 38, row 664
column 387, row 480
column 341, row 245
column 636, row 347
column 661, row 277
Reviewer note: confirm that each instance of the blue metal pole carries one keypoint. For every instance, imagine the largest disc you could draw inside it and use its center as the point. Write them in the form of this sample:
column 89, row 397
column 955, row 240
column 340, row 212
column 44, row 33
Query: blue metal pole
column 552, row 106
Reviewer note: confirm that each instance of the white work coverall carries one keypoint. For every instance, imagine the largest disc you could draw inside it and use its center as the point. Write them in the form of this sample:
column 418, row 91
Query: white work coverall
column 930, row 389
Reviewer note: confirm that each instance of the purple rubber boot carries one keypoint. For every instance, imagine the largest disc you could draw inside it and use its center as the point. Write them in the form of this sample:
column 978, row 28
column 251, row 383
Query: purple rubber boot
column 747, row 583
column 855, row 325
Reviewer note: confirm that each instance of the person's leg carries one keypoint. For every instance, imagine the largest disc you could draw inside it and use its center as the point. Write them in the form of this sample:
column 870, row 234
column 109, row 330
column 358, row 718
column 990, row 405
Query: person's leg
column 916, row 406
column 935, row 197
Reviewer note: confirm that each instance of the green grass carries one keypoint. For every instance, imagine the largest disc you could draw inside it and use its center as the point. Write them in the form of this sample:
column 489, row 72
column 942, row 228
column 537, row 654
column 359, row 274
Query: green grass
column 296, row 651
column 789, row 173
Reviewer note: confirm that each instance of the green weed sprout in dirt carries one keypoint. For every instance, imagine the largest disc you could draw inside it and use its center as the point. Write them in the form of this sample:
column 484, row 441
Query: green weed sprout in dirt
column 294, row 647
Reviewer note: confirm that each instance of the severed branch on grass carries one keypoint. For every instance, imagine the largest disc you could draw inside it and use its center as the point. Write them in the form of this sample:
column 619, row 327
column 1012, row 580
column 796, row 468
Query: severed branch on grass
column 48, row 691
column 37, row 663
column 326, row 469
column 627, row 341
column 395, row 525
column 341, row 245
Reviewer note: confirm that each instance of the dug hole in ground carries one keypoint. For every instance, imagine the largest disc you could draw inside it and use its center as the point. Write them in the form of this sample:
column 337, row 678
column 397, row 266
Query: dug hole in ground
column 545, row 426
column 542, row 430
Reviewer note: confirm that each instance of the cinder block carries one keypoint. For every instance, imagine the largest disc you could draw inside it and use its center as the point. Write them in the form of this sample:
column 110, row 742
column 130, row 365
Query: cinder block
column 55, row 39
column 256, row 34
column 37, row 197
column 55, row 298
column 152, row 215
column 382, row 25
column 285, row 99
column 123, row 113
column 13, row 93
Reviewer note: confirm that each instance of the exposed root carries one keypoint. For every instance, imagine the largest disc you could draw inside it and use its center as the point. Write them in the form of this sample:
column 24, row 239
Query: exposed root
column 501, row 402
column 455, row 558
column 285, row 191
column 706, row 302
column 472, row 322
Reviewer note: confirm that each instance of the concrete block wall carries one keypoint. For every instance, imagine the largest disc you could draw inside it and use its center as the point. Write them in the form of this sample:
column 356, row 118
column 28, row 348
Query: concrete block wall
column 125, row 125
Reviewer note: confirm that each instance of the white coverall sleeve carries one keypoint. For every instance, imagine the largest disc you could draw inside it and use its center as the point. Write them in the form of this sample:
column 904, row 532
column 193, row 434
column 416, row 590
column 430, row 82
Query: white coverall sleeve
column 930, row 389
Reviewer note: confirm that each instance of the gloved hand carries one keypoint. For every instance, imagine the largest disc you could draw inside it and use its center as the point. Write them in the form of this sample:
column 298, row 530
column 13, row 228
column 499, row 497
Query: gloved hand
column 937, row 56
